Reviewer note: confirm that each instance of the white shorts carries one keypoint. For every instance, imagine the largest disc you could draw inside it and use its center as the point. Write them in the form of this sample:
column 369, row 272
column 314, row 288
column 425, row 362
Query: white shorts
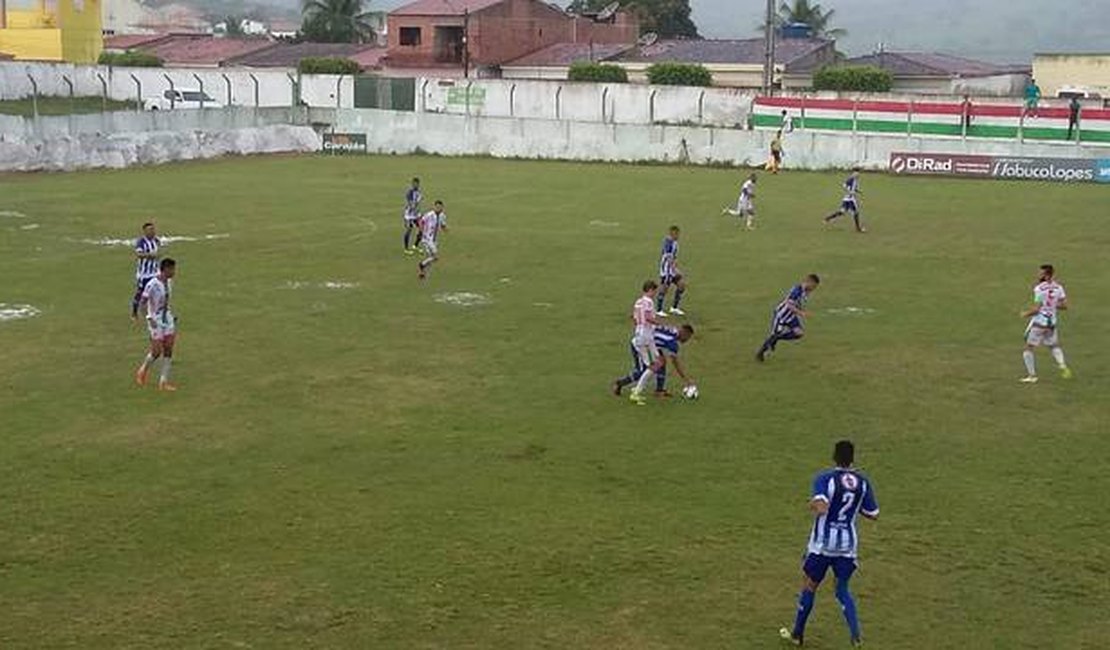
column 161, row 330
column 745, row 205
column 430, row 247
column 1038, row 336
column 646, row 350
column 409, row 218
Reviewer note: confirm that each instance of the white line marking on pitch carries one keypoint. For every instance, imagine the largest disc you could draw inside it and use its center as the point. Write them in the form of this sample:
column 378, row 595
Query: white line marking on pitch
column 463, row 299
column 13, row 214
column 166, row 239
column 17, row 312
column 605, row 224
column 851, row 311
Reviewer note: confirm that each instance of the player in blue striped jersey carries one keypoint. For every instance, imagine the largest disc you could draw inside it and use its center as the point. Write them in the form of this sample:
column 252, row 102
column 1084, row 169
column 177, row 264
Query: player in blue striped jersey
column 669, row 341
column 146, row 265
column 838, row 496
column 788, row 319
column 850, row 203
column 413, row 197
column 670, row 275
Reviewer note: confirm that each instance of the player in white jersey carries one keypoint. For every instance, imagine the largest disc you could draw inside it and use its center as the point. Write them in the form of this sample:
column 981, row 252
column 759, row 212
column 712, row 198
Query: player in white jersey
column 643, row 340
column 430, row 226
column 160, row 323
column 1049, row 298
column 146, row 264
column 745, row 205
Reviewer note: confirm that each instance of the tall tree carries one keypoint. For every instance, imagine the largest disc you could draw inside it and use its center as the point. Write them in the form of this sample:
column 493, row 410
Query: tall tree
column 668, row 18
column 336, row 21
column 812, row 14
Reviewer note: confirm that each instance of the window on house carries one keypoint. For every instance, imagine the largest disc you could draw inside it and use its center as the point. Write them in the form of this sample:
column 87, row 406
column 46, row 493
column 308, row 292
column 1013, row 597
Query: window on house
column 449, row 44
column 410, row 36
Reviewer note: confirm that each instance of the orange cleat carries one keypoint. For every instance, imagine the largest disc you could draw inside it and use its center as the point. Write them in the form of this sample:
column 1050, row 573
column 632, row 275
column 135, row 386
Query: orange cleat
column 140, row 376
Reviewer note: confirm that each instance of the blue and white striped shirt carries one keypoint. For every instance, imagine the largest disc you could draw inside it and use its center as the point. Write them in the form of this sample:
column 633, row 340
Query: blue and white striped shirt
column 797, row 297
column 666, row 339
column 847, row 492
column 413, row 197
column 669, row 258
column 851, row 188
column 147, row 267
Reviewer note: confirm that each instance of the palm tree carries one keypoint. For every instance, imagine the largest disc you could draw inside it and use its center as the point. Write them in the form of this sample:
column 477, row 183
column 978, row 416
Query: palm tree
column 336, row 21
column 812, row 14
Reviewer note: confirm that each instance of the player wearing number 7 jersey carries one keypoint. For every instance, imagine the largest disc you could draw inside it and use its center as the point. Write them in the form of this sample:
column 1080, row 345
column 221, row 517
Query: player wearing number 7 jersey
column 838, row 496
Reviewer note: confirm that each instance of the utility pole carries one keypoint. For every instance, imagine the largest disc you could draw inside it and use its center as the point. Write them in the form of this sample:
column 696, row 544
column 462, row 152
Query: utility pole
column 466, row 43
column 769, row 49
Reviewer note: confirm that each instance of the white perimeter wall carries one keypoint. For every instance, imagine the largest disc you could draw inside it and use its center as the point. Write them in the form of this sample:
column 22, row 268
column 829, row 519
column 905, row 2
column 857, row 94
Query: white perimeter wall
column 275, row 87
column 402, row 132
column 122, row 139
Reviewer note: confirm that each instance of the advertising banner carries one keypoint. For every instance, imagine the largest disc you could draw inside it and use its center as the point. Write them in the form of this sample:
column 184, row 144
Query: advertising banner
column 1063, row 170
column 344, row 143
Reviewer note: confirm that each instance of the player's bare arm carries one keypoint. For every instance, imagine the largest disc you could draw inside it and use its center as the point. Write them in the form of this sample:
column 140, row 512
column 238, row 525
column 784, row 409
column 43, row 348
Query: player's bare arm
column 819, row 505
column 680, row 370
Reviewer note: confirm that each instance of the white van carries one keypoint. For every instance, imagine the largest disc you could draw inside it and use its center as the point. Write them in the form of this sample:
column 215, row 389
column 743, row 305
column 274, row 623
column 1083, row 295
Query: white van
column 174, row 99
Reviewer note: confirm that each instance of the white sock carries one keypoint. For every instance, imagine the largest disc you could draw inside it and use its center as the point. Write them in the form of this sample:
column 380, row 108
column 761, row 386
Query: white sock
column 751, row 220
column 645, row 378
column 166, row 369
column 1030, row 363
column 1058, row 355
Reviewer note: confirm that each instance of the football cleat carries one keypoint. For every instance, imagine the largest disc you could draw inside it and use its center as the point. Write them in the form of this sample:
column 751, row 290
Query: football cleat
column 677, row 312
column 166, row 386
column 140, row 376
column 1030, row 379
column 637, row 399
column 1066, row 372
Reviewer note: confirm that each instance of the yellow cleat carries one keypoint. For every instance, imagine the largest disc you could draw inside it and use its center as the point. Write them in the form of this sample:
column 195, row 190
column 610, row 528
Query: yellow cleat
column 637, row 399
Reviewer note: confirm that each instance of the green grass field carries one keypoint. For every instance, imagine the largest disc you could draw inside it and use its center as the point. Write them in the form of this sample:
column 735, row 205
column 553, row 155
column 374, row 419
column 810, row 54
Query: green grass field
column 366, row 467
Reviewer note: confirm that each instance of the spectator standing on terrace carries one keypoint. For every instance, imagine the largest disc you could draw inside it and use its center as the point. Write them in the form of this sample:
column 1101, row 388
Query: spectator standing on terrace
column 787, row 122
column 1073, row 115
column 1032, row 97
column 965, row 113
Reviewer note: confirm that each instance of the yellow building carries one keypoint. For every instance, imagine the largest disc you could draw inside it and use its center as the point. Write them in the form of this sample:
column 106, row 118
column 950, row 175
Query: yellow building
column 1089, row 72
column 65, row 30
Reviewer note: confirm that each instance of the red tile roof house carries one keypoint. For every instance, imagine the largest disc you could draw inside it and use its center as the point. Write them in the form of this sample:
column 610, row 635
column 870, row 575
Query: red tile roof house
column 453, row 38
column 289, row 55
column 193, row 50
column 943, row 74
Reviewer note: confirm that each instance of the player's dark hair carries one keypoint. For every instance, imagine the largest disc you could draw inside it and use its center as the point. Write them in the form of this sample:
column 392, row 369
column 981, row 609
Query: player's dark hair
column 415, row 179
column 440, row 203
column 1048, row 268
column 673, row 229
column 689, row 329
column 649, row 285
column 844, row 453
column 148, row 224
column 814, row 278
column 167, row 263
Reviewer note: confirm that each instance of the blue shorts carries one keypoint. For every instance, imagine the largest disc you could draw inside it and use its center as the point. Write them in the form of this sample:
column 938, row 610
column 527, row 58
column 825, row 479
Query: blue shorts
column 669, row 278
column 781, row 325
column 816, row 566
column 849, row 206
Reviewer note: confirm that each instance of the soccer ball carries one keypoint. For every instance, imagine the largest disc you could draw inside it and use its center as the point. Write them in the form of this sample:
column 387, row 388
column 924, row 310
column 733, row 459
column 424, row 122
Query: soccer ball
column 690, row 392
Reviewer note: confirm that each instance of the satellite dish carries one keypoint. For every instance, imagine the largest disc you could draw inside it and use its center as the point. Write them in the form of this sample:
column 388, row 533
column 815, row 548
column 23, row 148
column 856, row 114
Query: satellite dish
column 647, row 39
column 608, row 12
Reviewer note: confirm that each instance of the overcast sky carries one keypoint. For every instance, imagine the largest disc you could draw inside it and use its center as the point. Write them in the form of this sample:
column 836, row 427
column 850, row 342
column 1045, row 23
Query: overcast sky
column 1000, row 30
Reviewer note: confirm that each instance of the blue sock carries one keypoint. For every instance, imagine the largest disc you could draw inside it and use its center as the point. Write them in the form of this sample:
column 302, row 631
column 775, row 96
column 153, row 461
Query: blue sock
column 408, row 235
column 678, row 296
column 855, row 217
column 848, row 605
column 660, row 299
column 661, row 380
column 627, row 380
column 805, row 606
column 789, row 335
column 769, row 344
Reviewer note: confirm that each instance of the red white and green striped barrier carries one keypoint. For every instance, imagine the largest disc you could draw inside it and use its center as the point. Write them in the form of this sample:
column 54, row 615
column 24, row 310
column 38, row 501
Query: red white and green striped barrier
column 931, row 118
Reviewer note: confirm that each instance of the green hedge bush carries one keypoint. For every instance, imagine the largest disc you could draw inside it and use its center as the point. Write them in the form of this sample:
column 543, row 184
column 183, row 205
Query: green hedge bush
column 130, row 59
column 601, row 72
column 857, row 78
column 327, row 65
column 679, row 74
